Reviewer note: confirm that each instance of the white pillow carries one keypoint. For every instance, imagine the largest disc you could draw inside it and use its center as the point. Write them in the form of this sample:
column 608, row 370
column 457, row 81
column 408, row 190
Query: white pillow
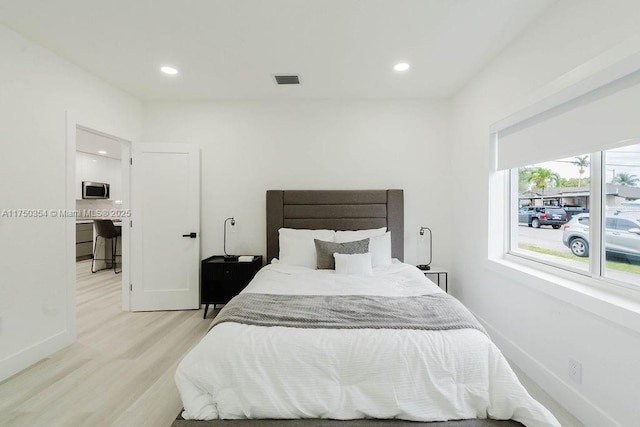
column 380, row 248
column 353, row 263
column 350, row 236
column 297, row 246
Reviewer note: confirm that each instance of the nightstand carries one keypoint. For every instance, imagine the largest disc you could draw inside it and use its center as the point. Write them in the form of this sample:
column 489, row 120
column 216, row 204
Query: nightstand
column 222, row 280
column 438, row 271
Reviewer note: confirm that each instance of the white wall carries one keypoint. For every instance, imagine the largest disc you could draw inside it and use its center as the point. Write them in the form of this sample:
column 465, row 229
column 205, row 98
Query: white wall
column 36, row 90
column 536, row 330
column 250, row 147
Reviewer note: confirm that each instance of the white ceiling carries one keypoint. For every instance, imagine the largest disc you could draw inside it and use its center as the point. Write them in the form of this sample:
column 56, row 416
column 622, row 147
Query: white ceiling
column 229, row 49
column 93, row 143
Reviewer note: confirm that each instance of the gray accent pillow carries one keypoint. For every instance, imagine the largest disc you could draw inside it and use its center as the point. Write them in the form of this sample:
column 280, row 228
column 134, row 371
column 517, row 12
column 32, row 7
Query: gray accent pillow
column 325, row 251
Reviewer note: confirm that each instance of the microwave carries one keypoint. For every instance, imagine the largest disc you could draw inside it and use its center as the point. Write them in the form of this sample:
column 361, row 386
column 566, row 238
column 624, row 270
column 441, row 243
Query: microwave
column 95, row 190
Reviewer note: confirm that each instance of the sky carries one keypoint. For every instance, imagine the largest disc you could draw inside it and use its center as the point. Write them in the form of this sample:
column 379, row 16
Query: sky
column 624, row 159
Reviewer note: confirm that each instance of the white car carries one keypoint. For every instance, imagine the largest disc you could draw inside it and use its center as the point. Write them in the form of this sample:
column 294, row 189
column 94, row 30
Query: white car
column 622, row 236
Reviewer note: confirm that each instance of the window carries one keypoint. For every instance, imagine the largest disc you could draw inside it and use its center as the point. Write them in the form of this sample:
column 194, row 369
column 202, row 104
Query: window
column 621, row 195
column 573, row 163
column 584, row 221
column 552, row 204
column 553, row 212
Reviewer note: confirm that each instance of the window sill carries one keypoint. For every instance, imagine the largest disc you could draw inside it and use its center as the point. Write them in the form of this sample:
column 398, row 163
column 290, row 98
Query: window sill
column 584, row 292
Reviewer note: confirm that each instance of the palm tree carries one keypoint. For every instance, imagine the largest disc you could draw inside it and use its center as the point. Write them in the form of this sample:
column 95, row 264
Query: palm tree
column 544, row 178
column 626, row 179
column 582, row 162
column 524, row 179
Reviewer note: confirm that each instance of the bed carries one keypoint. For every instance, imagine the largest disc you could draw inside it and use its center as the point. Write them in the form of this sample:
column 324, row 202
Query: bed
column 306, row 343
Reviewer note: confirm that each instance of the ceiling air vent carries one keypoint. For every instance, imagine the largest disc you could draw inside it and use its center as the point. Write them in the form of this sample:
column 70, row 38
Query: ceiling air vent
column 289, row 79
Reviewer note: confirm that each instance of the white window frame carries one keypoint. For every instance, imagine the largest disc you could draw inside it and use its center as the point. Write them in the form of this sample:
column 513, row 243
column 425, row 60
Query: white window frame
column 616, row 301
column 513, row 250
column 597, row 257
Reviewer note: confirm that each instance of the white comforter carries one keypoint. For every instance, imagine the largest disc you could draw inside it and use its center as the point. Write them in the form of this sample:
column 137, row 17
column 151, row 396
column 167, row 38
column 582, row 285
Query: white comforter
column 243, row 371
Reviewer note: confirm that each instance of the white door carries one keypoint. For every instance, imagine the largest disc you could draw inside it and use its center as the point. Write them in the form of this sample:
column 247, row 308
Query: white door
column 165, row 229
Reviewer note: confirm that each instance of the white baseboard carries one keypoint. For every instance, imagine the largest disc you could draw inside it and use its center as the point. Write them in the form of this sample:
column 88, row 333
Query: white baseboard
column 570, row 398
column 15, row 363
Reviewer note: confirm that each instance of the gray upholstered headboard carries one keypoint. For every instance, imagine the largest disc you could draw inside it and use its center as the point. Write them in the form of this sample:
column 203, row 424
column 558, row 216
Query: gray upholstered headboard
column 335, row 210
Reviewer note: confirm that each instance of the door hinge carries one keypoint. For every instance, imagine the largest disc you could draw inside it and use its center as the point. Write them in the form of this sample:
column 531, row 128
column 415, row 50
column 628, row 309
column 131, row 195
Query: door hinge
column 131, row 160
column 130, row 223
column 131, row 287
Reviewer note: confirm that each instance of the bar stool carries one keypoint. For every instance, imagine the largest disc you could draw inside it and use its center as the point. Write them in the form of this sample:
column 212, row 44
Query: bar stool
column 106, row 230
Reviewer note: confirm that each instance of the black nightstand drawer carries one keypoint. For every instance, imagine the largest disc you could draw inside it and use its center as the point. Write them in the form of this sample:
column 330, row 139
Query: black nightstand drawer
column 224, row 272
column 222, row 280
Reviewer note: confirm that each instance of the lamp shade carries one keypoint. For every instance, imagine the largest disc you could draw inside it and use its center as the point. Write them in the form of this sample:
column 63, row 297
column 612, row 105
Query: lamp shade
column 425, row 247
column 227, row 256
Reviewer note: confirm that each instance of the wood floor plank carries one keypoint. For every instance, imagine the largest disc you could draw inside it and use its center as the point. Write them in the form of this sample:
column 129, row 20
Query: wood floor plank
column 119, row 371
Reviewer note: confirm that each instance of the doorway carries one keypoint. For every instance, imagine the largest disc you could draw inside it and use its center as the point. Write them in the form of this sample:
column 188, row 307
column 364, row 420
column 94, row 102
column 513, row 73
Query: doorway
column 96, row 156
column 98, row 187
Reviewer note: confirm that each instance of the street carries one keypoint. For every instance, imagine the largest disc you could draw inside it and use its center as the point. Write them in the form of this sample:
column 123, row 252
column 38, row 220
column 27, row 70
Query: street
column 544, row 237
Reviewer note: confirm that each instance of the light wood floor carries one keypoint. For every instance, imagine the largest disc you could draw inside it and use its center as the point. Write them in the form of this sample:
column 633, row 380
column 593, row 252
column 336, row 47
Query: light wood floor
column 119, row 372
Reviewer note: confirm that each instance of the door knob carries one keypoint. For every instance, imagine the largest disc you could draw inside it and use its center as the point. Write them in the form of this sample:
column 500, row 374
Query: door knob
column 191, row 235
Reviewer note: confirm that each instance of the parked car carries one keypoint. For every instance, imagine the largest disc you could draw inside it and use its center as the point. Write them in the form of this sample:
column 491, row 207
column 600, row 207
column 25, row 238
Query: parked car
column 536, row 216
column 575, row 210
column 622, row 236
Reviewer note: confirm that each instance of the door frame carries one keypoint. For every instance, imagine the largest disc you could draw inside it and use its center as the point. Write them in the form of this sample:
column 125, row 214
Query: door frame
column 72, row 123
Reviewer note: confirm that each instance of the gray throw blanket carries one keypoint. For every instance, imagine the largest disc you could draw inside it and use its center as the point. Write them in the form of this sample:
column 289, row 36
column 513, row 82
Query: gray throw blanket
column 427, row 312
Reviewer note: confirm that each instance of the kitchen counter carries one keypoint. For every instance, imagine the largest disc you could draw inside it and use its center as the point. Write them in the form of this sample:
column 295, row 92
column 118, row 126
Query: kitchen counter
column 116, row 222
column 85, row 238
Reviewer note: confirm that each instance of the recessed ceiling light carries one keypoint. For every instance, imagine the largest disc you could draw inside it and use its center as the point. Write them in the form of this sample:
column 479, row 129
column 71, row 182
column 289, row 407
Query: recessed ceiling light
column 94, row 160
column 102, row 152
column 169, row 70
column 402, row 66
